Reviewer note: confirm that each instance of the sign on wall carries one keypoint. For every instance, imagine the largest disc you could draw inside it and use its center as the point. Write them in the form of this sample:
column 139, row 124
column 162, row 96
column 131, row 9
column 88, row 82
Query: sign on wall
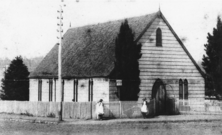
column 118, row 82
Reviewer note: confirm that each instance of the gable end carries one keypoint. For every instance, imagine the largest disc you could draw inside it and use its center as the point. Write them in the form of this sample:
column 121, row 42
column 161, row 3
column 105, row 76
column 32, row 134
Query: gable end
column 160, row 15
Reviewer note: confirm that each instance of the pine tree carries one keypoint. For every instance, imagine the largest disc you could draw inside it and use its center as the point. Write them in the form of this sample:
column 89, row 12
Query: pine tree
column 212, row 61
column 127, row 53
column 15, row 84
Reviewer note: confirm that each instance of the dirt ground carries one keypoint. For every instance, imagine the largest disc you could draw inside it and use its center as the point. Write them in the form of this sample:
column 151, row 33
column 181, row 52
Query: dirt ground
column 166, row 128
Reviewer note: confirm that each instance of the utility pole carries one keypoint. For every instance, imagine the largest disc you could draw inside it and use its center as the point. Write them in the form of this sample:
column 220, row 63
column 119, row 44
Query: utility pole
column 60, row 31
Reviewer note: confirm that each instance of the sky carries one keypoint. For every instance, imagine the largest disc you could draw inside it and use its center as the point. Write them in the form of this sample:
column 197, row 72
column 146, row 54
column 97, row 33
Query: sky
column 29, row 27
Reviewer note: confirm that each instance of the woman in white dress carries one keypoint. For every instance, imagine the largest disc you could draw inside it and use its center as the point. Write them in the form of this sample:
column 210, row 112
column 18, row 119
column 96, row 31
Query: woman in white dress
column 100, row 109
column 144, row 108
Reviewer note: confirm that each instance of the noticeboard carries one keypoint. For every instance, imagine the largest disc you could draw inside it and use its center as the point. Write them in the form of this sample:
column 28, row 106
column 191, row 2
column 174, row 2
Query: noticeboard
column 118, row 82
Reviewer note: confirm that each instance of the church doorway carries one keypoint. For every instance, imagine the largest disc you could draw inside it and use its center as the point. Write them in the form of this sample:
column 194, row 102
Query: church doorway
column 159, row 93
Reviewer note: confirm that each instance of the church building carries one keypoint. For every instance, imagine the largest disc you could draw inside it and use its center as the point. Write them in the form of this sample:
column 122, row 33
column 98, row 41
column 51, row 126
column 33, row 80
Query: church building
column 88, row 53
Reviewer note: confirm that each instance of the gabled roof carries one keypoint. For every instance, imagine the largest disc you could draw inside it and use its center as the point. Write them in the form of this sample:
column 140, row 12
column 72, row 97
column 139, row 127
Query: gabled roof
column 88, row 51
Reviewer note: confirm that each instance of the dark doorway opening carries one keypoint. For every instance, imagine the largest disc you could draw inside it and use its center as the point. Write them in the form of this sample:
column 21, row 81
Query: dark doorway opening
column 159, row 93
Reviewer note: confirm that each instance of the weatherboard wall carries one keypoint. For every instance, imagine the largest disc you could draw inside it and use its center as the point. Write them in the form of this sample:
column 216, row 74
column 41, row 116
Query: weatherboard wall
column 100, row 88
column 68, row 90
column 33, row 89
column 169, row 63
column 83, row 90
column 45, row 90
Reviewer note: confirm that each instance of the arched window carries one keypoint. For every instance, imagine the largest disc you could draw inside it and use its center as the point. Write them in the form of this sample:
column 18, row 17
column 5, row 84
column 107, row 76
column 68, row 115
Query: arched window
column 185, row 89
column 180, row 89
column 158, row 37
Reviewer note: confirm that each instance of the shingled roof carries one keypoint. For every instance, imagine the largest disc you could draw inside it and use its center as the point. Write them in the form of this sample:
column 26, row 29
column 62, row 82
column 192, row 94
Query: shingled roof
column 88, row 51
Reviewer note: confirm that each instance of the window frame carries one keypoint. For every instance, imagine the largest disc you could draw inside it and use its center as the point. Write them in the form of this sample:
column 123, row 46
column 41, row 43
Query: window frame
column 50, row 89
column 186, row 90
column 180, row 89
column 159, row 37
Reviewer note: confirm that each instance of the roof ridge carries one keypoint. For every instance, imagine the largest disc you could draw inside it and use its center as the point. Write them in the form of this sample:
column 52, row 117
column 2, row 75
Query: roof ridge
column 115, row 20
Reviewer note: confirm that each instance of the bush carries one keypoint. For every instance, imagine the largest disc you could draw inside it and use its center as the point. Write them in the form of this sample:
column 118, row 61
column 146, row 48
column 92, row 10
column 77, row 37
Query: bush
column 51, row 115
column 26, row 114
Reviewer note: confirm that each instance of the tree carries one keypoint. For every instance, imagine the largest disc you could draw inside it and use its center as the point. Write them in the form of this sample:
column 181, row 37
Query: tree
column 15, row 84
column 127, row 53
column 212, row 61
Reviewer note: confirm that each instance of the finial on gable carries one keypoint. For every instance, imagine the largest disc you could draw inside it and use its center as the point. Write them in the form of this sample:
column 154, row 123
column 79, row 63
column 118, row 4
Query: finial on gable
column 159, row 12
column 70, row 25
column 159, row 8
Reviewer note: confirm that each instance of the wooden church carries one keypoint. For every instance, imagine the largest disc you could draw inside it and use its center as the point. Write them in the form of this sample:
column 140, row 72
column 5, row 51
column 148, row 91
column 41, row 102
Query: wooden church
column 88, row 55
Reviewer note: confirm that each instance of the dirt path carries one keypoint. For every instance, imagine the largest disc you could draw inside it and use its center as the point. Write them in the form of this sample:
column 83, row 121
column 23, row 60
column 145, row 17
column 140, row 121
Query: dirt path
column 186, row 128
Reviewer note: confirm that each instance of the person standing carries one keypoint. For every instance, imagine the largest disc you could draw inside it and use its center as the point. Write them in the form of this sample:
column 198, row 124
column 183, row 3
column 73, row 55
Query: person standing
column 100, row 109
column 144, row 108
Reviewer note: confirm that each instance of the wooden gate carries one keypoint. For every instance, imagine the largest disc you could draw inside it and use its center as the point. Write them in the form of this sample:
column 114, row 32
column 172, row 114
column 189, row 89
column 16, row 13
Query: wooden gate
column 159, row 93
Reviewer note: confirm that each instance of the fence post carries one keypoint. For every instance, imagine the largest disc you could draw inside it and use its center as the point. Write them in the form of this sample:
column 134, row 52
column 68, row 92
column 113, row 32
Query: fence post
column 120, row 113
column 91, row 111
column 154, row 106
column 175, row 105
column 215, row 108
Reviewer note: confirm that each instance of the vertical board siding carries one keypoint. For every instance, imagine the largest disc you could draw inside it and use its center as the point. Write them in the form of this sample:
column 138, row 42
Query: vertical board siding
column 169, row 62
column 83, row 90
column 100, row 89
column 33, row 89
column 58, row 92
column 68, row 90
column 45, row 90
